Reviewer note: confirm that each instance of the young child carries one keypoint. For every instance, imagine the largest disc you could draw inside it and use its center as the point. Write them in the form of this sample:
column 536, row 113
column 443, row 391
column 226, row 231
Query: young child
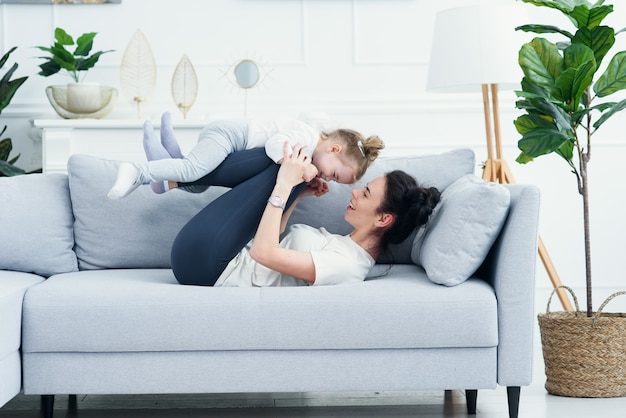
column 342, row 155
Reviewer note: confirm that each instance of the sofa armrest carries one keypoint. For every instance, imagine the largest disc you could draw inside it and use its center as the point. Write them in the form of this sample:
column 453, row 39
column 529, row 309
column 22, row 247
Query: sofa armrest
column 510, row 268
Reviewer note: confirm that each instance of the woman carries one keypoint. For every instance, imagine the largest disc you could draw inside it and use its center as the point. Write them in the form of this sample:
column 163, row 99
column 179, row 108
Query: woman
column 211, row 249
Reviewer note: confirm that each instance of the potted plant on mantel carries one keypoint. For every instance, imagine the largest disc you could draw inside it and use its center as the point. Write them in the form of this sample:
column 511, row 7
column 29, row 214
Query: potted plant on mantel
column 77, row 99
column 584, row 354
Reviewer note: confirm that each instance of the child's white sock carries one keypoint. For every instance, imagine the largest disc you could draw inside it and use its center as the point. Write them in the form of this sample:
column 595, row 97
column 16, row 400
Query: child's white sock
column 127, row 181
column 167, row 136
column 154, row 151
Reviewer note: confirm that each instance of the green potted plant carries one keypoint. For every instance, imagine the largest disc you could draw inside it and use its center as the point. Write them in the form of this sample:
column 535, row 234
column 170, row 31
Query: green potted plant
column 8, row 88
column 561, row 87
column 77, row 98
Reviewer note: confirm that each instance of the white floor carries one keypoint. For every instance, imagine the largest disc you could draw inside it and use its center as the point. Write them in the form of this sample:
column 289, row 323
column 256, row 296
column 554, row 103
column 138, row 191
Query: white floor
column 535, row 401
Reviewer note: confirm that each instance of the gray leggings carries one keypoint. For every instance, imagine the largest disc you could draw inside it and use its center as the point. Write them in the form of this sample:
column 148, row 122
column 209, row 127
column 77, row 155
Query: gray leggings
column 216, row 142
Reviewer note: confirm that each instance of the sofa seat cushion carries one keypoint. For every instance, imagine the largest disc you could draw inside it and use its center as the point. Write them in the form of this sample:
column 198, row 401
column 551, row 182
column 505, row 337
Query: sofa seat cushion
column 13, row 285
column 147, row 310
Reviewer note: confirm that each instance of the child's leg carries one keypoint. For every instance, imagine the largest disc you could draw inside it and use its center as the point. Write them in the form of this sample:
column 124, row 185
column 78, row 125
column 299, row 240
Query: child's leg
column 127, row 180
column 129, row 175
column 154, row 151
column 206, row 244
column 168, row 139
column 216, row 142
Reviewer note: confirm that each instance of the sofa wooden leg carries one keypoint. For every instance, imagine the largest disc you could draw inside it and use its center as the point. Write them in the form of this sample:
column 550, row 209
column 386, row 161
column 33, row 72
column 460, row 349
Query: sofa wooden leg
column 47, row 406
column 513, row 393
column 471, row 395
column 72, row 407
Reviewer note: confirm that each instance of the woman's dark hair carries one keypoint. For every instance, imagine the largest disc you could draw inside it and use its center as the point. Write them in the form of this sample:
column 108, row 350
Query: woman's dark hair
column 411, row 204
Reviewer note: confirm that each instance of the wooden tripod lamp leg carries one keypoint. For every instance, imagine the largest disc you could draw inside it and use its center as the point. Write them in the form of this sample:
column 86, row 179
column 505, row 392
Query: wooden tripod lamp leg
column 497, row 170
column 554, row 277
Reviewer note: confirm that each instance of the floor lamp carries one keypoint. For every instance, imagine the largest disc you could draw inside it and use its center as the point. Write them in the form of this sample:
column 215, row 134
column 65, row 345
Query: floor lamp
column 477, row 46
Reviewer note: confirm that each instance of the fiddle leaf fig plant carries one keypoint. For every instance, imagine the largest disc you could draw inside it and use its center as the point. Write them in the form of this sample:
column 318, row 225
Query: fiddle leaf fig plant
column 560, row 89
column 8, row 88
column 73, row 62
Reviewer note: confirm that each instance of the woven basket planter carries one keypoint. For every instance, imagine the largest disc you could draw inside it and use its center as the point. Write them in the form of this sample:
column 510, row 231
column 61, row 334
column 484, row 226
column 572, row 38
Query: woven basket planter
column 584, row 357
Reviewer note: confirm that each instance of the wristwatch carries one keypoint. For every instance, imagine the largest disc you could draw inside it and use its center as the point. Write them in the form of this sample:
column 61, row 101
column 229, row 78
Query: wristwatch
column 277, row 202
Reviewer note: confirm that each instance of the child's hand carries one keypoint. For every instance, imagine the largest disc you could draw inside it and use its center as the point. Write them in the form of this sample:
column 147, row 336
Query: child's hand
column 316, row 187
column 309, row 173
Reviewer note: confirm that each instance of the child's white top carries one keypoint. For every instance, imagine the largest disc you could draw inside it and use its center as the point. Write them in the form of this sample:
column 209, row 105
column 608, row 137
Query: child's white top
column 272, row 134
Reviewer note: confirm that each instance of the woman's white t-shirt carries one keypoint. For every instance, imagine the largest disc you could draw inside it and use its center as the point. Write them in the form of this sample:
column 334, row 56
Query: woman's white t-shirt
column 337, row 259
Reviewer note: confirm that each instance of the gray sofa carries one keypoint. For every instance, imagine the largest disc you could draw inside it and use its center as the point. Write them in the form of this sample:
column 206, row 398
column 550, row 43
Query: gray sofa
column 88, row 280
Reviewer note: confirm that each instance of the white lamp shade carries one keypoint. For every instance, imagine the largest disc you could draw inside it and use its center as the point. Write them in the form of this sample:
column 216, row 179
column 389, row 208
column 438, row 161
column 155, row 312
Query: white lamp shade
column 477, row 45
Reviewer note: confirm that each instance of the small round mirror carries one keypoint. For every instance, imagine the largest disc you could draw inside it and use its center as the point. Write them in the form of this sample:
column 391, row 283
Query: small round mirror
column 246, row 74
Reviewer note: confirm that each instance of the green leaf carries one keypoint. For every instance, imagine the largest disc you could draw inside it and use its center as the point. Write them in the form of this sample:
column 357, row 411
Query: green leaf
column 544, row 29
column 590, row 17
column 551, row 111
column 578, row 116
column 62, row 56
column 614, row 77
column 7, row 91
column 62, row 37
column 617, row 107
column 5, row 147
column 523, row 158
column 5, row 57
column 84, row 43
column 9, row 73
column 541, row 63
column 85, row 64
column 564, row 6
column 600, row 39
column 48, row 68
column 527, row 123
column 580, row 67
column 7, row 169
column 566, row 151
column 542, row 141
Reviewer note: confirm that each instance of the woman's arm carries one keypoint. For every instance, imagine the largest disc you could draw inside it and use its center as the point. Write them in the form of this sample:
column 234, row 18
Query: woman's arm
column 265, row 249
column 316, row 187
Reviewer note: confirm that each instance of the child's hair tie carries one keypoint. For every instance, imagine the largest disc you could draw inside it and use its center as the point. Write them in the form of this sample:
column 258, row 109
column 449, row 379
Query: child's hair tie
column 360, row 145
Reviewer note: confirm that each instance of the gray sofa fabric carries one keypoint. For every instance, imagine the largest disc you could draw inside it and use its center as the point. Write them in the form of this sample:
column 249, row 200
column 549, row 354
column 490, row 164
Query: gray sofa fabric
column 13, row 285
column 110, row 317
column 147, row 310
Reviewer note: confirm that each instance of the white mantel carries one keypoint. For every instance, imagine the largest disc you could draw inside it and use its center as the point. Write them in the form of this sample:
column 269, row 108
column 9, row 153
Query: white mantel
column 116, row 139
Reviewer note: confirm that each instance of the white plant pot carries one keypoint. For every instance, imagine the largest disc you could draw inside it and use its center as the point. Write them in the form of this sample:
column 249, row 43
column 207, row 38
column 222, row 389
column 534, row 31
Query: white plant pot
column 83, row 97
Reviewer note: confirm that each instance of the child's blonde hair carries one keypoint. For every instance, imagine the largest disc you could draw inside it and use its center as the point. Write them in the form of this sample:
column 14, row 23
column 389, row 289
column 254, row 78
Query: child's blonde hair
column 357, row 148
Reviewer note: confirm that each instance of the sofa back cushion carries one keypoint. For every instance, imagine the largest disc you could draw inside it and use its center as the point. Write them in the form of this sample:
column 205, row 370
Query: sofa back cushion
column 138, row 230
column 36, row 224
column 134, row 232
column 437, row 170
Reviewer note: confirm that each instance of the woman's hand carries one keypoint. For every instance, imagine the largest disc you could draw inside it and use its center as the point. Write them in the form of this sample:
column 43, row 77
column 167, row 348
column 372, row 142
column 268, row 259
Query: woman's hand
column 310, row 173
column 293, row 167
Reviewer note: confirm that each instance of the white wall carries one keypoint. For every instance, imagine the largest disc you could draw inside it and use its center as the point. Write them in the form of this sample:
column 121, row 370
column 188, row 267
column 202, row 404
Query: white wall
column 362, row 62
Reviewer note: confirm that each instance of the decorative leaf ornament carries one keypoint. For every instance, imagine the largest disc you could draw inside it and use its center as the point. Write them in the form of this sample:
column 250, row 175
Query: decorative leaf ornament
column 184, row 85
column 138, row 71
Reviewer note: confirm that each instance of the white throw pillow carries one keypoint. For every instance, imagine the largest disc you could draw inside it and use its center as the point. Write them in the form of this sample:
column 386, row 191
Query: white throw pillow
column 462, row 230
